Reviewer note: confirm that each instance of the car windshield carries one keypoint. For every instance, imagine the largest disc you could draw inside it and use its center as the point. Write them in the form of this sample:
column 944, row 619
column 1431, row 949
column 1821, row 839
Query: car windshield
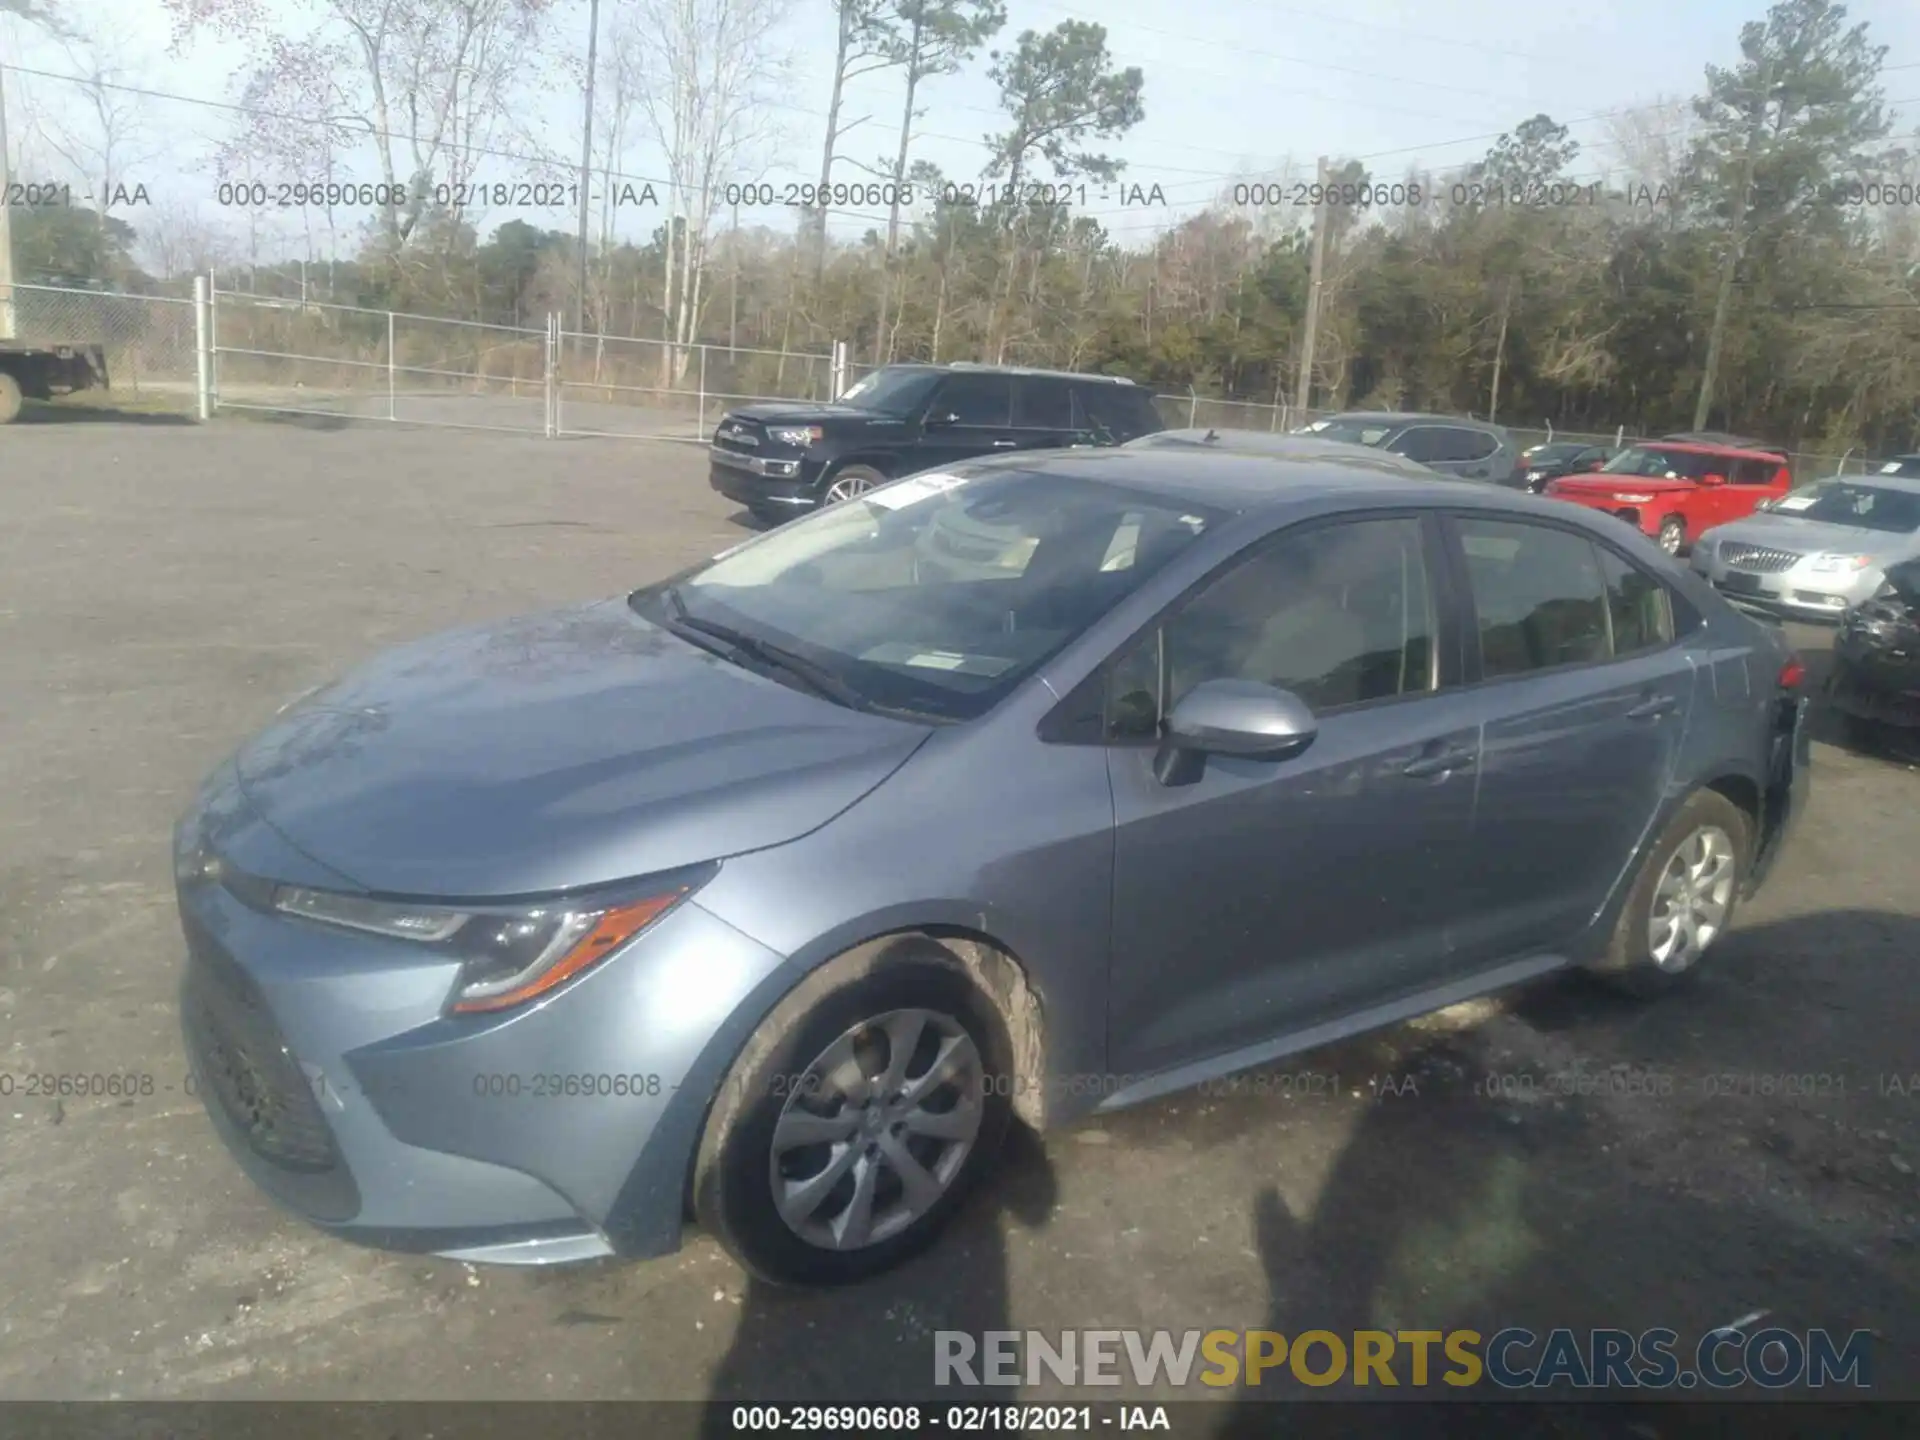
column 1659, row 463
column 896, row 390
column 1848, row 502
column 1355, row 432
column 1553, row 454
column 933, row 596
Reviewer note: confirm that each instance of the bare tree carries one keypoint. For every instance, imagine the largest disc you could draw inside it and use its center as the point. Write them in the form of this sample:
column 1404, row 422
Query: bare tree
column 417, row 80
column 102, row 132
column 177, row 241
column 711, row 70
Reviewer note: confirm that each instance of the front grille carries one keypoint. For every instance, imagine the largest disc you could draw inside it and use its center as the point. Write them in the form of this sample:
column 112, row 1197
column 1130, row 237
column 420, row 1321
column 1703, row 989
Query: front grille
column 738, row 436
column 245, row 1067
column 1759, row 558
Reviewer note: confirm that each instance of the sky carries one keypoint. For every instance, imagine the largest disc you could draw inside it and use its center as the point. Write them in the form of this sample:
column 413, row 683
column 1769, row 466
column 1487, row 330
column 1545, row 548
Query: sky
column 1233, row 89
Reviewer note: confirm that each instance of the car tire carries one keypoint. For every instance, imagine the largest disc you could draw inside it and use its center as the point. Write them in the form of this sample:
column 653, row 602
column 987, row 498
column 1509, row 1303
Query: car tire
column 1708, row 828
column 9, row 398
column 789, row 1098
column 849, row 481
column 1673, row 535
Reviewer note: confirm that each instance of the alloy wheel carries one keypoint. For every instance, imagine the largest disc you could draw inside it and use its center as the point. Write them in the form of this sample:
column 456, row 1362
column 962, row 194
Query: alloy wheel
column 1671, row 536
column 1692, row 900
column 876, row 1130
column 848, row 486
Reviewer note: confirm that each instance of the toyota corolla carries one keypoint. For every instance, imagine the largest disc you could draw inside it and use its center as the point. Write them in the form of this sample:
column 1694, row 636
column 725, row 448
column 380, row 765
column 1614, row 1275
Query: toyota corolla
column 768, row 895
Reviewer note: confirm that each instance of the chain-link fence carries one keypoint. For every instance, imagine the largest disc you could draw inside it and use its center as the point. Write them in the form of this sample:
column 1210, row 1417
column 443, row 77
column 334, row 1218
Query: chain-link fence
column 148, row 340
column 656, row 389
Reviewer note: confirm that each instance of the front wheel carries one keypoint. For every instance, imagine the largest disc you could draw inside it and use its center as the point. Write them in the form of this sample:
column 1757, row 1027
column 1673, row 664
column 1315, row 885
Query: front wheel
column 1684, row 897
column 853, row 480
column 1673, row 534
column 851, row 1128
column 9, row 398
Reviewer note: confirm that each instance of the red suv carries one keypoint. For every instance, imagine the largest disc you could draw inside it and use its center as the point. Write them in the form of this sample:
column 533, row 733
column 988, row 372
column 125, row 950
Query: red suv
column 1675, row 490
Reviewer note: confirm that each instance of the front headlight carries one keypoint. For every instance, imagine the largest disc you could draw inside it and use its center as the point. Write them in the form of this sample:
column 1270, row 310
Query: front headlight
column 802, row 435
column 508, row 954
column 1829, row 564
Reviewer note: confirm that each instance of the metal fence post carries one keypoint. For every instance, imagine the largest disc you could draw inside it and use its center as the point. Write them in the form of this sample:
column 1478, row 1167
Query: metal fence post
column 546, row 376
column 202, row 348
column 213, row 342
column 1193, row 405
column 702, row 420
column 391, row 415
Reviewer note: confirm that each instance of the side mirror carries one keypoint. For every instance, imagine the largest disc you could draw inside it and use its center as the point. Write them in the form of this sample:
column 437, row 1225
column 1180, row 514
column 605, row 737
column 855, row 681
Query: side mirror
column 940, row 419
column 1713, row 479
column 1232, row 717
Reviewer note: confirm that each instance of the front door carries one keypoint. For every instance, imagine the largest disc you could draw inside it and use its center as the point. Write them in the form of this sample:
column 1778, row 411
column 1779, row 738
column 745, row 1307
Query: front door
column 1268, row 895
column 1583, row 700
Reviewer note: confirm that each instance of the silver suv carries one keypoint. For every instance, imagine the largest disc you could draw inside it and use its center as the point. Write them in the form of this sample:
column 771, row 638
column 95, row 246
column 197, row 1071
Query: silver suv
column 1471, row 449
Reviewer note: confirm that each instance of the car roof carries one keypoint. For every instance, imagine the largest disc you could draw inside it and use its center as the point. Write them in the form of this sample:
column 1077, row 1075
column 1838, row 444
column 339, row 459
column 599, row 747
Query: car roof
column 1423, row 416
column 972, row 368
column 1702, row 447
column 1242, row 483
column 1226, row 440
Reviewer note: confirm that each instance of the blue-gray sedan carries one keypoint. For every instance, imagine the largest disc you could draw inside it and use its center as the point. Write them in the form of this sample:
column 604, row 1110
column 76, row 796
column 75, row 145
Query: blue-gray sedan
column 769, row 894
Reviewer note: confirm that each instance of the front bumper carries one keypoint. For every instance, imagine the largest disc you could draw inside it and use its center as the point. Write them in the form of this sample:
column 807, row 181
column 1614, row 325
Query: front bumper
column 1645, row 519
column 1796, row 593
column 1875, row 687
column 765, row 482
column 560, row 1132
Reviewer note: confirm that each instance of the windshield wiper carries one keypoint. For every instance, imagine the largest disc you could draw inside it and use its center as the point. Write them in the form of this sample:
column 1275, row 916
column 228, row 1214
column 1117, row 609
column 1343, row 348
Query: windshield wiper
column 822, row 682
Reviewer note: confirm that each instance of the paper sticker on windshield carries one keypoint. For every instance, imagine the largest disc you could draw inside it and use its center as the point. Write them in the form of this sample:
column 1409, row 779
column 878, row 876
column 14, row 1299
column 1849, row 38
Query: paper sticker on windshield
column 910, row 492
column 1892, row 467
column 1795, row 502
column 952, row 661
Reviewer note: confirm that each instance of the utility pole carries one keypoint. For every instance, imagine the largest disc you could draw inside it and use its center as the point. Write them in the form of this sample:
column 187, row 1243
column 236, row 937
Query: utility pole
column 1736, row 245
column 6, row 223
column 586, row 155
column 1303, row 392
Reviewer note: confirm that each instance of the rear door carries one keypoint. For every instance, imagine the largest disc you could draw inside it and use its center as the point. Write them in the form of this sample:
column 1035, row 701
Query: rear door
column 1748, row 483
column 1471, row 453
column 1583, row 697
column 1043, row 415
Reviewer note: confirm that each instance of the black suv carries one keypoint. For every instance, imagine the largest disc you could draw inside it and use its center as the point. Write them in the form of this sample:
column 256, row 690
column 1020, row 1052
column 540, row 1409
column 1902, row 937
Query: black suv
column 781, row 457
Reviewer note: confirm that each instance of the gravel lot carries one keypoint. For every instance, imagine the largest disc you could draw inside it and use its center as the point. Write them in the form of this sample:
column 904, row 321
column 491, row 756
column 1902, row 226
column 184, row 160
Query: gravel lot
column 165, row 587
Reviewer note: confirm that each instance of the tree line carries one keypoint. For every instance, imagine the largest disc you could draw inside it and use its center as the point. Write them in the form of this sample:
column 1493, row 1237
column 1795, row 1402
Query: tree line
column 1746, row 259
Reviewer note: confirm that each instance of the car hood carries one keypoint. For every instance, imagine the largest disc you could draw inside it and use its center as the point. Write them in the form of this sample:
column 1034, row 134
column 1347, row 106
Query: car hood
column 556, row 751
column 810, row 413
column 1785, row 532
column 1603, row 485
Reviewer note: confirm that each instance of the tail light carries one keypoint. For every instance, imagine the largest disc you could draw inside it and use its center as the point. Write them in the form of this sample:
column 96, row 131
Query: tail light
column 1793, row 673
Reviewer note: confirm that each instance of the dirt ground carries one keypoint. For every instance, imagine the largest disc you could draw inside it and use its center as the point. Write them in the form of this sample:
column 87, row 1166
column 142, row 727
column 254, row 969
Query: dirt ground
column 165, row 587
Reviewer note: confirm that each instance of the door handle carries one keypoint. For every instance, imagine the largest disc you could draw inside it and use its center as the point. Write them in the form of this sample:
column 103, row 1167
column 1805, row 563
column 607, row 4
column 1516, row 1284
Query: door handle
column 1005, row 444
column 1437, row 764
column 1653, row 707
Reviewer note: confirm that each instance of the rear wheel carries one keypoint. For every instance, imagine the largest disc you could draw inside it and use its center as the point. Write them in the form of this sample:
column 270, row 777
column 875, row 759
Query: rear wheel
column 9, row 398
column 1673, row 534
column 853, row 480
column 1684, row 897
column 852, row 1126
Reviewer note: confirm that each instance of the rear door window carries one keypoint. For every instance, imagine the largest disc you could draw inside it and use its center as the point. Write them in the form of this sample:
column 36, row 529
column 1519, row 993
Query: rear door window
column 1424, row 443
column 1041, row 402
